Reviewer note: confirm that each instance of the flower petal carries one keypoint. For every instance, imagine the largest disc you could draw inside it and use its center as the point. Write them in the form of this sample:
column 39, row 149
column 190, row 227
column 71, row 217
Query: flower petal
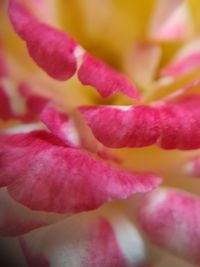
column 192, row 167
column 171, row 125
column 185, row 61
column 73, row 131
column 170, row 219
column 18, row 101
column 16, row 219
column 68, row 180
column 5, row 107
column 97, row 241
column 142, row 61
column 106, row 80
column 57, row 59
column 117, row 126
column 171, row 21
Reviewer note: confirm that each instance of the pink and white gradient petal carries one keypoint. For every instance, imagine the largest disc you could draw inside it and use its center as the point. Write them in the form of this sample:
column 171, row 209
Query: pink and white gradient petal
column 170, row 219
column 98, row 241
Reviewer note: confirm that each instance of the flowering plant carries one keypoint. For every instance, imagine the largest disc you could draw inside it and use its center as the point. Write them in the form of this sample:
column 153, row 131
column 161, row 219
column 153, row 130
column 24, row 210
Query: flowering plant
column 93, row 126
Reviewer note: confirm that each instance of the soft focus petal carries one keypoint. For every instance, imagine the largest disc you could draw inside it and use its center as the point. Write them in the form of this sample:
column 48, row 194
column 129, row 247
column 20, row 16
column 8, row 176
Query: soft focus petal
column 141, row 63
column 68, row 180
column 16, row 219
column 185, row 61
column 192, row 167
column 170, row 219
column 170, row 125
column 18, row 101
column 171, row 21
column 95, row 242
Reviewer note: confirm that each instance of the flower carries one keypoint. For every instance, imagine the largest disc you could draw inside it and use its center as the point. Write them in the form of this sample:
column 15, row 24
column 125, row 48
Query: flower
column 99, row 108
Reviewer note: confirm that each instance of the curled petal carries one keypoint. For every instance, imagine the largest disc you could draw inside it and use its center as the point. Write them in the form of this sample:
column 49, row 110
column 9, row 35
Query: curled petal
column 97, row 241
column 51, row 49
column 68, row 180
column 171, row 125
column 170, row 219
column 106, row 80
column 16, row 219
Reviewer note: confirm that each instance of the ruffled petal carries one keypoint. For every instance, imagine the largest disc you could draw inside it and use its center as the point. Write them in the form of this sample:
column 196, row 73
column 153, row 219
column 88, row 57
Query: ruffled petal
column 170, row 218
column 171, row 125
column 98, row 241
column 68, row 180
column 52, row 50
column 16, row 219
column 106, row 80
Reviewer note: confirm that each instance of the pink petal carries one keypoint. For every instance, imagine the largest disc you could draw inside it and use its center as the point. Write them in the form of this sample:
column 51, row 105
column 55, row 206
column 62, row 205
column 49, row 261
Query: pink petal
column 186, row 60
column 61, row 126
column 192, row 167
column 16, row 219
column 106, row 80
column 73, row 132
column 3, row 65
column 52, row 50
column 116, row 126
column 34, row 102
column 171, row 21
column 170, row 219
column 180, row 122
column 68, row 180
column 5, row 107
column 20, row 102
column 142, row 61
column 172, row 125
column 95, row 242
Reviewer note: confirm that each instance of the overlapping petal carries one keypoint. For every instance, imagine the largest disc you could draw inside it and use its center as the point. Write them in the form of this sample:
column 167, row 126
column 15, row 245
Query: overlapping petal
column 68, row 180
column 170, row 219
column 59, row 59
column 73, row 131
column 171, row 125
